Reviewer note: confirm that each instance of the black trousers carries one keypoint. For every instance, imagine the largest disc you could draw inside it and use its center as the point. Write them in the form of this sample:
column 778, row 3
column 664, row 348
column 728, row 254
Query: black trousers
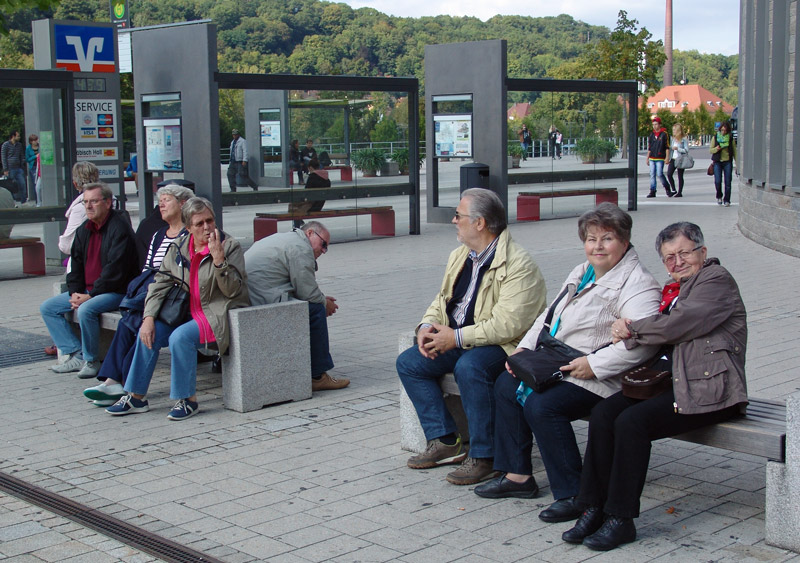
column 671, row 176
column 621, row 431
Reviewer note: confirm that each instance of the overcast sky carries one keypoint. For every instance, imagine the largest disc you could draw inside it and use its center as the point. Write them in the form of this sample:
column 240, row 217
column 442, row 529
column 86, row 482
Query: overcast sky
column 709, row 27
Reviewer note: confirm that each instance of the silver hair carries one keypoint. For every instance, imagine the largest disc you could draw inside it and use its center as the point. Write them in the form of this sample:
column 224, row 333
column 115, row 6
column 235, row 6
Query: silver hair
column 317, row 227
column 485, row 203
column 689, row 230
column 194, row 206
column 177, row 191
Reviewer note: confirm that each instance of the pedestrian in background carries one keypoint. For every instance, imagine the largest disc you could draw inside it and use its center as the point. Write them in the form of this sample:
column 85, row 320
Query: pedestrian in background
column 679, row 146
column 11, row 154
column 723, row 153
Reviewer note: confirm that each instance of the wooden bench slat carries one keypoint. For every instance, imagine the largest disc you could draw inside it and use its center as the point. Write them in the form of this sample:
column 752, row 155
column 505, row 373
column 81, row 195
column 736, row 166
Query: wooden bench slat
column 17, row 242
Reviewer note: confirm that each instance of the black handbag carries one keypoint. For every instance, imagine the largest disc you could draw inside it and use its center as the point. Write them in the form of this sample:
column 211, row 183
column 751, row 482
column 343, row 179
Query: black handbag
column 539, row 368
column 175, row 306
column 647, row 380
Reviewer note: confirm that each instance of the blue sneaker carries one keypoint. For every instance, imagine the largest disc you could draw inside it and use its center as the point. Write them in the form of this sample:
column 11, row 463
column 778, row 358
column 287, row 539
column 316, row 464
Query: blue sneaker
column 183, row 409
column 128, row 405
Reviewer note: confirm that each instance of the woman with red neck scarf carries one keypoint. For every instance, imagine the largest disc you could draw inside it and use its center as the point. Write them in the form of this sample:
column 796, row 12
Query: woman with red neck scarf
column 211, row 265
column 703, row 323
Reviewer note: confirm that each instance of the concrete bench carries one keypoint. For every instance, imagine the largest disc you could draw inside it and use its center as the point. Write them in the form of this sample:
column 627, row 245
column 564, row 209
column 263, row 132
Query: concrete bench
column 268, row 360
column 528, row 202
column 266, row 224
column 762, row 432
column 33, row 261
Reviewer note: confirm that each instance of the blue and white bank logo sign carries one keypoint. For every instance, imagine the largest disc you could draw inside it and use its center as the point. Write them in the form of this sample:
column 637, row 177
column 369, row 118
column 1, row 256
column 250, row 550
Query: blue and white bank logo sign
column 84, row 49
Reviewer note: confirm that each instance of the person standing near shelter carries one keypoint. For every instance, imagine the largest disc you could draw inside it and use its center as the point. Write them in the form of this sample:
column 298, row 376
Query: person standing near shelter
column 551, row 141
column 282, row 267
column 32, row 157
column 525, row 140
column 13, row 159
column 559, row 142
column 657, row 155
column 491, row 293
column 237, row 167
column 103, row 260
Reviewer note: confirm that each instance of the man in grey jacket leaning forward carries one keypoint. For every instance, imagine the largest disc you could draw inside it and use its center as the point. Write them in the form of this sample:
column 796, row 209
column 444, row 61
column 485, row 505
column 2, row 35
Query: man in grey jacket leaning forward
column 282, row 267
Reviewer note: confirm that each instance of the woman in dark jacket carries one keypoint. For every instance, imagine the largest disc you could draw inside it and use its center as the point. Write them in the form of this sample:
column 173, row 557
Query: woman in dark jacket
column 706, row 325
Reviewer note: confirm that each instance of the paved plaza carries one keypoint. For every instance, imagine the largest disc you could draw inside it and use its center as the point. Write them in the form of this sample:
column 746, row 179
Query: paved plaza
column 325, row 479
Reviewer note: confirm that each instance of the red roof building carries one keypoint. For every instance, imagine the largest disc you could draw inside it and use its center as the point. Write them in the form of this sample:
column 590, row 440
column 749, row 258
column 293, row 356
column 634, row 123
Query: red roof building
column 519, row 110
column 676, row 97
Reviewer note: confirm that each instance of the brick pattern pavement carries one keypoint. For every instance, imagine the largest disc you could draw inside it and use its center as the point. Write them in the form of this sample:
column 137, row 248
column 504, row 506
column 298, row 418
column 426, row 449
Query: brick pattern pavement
column 325, row 479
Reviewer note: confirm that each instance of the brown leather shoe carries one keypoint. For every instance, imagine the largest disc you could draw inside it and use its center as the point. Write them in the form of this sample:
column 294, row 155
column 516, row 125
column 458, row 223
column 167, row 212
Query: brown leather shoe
column 51, row 350
column 472, row 470
column 327, row 383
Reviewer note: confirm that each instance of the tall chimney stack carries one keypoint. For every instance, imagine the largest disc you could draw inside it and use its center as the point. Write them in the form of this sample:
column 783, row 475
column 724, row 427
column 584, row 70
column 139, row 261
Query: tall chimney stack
column 668, row 45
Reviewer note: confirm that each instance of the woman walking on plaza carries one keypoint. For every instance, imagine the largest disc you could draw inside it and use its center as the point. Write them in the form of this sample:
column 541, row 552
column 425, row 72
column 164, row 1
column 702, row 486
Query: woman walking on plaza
column 679, row 146
column 723, row 153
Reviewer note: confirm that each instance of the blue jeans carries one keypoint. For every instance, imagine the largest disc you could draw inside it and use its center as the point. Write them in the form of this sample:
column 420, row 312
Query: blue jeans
column 321, row 360
column 549, row 415
column 183, row 342
column 657, row 172
column 475, row 371
column 18, row 175
column 720, row 169
column 60, row 328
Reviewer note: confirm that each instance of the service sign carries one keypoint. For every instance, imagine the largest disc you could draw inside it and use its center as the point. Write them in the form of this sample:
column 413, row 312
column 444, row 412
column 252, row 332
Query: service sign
column 95, row 120
column 84, row 48
column 97, row 153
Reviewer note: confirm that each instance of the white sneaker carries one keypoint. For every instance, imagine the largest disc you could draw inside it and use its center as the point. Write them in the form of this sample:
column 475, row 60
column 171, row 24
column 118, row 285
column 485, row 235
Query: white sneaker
column 107, row 403
column 105, row 392
column 74, row 363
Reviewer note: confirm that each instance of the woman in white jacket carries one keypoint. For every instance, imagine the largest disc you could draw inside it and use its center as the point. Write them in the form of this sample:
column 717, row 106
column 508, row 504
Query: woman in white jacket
column 611, row 284
column 83, row 173
column 679, row 146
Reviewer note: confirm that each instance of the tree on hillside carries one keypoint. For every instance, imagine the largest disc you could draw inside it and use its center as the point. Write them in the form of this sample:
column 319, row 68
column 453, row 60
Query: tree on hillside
column 10, row 7
column 627, row 54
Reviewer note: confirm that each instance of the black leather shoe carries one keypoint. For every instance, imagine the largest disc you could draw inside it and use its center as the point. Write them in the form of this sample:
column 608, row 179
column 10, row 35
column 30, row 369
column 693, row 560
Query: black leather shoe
column 589, row 522
column 562, row 510
column 613, row 533
column 500, row 487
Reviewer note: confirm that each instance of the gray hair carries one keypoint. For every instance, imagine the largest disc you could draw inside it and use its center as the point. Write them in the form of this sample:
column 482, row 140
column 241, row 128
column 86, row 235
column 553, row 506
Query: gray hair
column 177, row 191
column 194, row 206
column 671, row 232
column 606, row 216
column 84, row 172
column 485, row 203
column 317, row 227
column 105, row 190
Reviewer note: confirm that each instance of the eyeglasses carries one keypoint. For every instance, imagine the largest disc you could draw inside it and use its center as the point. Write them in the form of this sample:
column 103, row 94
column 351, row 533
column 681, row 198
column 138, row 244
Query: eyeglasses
column 324, row 242
column 670, row 259
column 460, row 215
column 92, row 202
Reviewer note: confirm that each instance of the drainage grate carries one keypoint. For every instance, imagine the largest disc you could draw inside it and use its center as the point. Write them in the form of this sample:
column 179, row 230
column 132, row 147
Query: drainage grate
column 107, row 525
column 22, row 357
column 21, row 347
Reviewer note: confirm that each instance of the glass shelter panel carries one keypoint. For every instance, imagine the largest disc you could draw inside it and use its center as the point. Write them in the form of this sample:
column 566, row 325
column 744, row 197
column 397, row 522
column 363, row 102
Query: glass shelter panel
column 568, row 150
